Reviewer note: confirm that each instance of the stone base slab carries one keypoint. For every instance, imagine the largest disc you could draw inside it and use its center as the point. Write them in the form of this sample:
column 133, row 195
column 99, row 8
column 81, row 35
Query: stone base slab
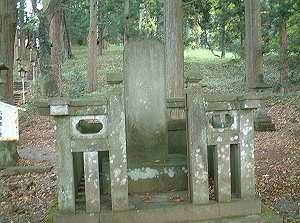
column 185, row 212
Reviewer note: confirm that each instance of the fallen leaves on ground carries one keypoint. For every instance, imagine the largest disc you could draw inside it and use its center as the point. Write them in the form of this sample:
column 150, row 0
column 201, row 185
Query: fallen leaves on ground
column 277, row 157
column 37, row 132
column 26, row 197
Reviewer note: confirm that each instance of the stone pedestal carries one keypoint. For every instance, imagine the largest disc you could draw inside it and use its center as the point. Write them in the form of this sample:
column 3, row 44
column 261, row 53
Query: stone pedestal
column 263, row 122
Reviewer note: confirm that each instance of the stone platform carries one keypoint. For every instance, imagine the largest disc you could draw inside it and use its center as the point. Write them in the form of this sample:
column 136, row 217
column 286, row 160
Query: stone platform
column 161, row 210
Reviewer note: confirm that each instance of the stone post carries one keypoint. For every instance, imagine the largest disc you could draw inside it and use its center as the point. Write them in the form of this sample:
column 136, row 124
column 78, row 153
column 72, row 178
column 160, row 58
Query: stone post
column 198, row 166
column 118, row 154
column 65, row 184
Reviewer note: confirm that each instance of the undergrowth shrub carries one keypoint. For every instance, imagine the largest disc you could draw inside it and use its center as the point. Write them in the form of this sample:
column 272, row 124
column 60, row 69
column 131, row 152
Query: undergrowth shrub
column 75, row 83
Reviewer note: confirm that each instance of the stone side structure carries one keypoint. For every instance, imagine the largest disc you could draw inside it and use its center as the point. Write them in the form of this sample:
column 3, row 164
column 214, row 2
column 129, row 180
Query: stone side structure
column 84, row 128
column 226, row 123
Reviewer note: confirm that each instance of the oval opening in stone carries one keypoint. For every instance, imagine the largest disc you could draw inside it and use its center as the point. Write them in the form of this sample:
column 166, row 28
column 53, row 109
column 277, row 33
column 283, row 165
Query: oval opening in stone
column 89, row 126
column 217, row 123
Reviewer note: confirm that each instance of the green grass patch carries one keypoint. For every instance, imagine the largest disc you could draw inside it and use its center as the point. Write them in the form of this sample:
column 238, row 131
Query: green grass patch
column 220, row 75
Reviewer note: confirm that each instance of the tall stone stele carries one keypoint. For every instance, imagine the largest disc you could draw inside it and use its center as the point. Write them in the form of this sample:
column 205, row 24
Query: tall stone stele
column 146, row 117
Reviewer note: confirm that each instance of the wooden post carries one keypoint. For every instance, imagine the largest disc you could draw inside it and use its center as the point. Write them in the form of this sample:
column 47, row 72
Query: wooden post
column 174, row 52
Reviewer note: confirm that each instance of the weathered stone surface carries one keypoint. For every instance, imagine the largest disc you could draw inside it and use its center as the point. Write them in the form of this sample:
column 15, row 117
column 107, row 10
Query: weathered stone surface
column 156, row 177
column 263, row 122
column 223, row 178
column 65, row 182
column 197, row 124
column 179, row 211
column 247, row 154
column 145, row 96
column 228, row 123
column 118, row 154
column 92, row 182
column 177, row 137
column 184, row 213
column 80, row 136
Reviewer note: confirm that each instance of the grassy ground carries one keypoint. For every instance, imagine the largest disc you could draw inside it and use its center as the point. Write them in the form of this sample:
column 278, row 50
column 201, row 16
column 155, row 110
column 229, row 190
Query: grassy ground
column 225, row 75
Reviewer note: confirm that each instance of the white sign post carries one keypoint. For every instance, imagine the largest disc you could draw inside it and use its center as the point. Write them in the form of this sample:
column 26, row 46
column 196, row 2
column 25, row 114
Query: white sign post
column 9, row 122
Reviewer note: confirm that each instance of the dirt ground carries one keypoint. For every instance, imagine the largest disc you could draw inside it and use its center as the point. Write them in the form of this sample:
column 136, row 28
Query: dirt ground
column 26, row 197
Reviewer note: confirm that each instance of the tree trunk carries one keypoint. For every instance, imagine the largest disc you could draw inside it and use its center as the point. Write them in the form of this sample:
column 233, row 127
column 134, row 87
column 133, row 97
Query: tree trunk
column 126, row 21
column 22, row 37
column 49, row 81
column 100, row 41
column 67, row 41
column 48, row 84
column 92, row 58
column 283, row 53
column 253, row 44
column 8, row 16
column 56, row 35
column 222, row 41
column 159, row 20
column 174, row 52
